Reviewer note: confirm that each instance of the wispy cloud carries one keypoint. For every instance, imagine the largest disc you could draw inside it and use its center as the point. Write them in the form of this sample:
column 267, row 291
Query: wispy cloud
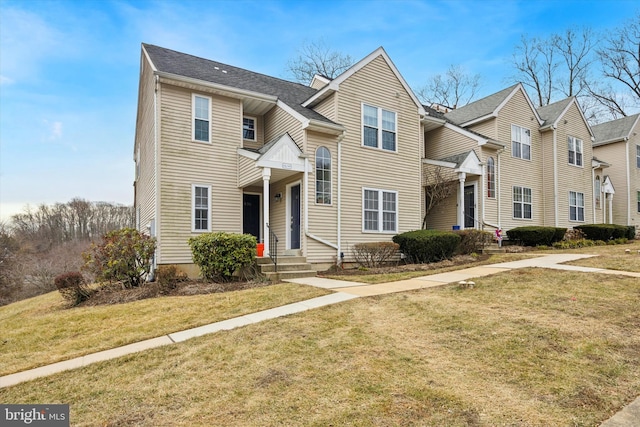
column 5, row 80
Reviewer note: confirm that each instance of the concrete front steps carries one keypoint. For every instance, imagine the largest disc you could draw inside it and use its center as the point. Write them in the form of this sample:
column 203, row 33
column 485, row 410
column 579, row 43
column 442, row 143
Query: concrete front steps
column 493, row 248
column 289, row 267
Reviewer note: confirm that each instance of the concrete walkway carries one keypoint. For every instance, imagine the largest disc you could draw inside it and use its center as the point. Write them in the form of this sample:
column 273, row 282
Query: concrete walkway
column 344, row 291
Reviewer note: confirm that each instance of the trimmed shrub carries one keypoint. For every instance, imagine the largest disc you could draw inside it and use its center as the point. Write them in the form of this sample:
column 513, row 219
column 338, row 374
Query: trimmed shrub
column 631, row 232
column 423, row 246
column 536, row 236
column 221, row 254
column 122, row 256
column 374, row 254
column 72, row 287
column 473, row 241
column 606, row 231
column 168, row 277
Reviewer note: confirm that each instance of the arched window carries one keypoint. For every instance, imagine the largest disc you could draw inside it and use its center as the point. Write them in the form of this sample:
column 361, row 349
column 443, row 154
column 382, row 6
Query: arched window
column 323, row 176
column 598, row 191
column 491, row 178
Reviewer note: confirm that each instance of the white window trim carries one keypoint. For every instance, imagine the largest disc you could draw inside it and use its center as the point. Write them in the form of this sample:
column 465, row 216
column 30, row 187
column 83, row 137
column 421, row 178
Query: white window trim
column 575, row 151
column 521, row 143
column 380, row 109
column 315, row 169
column 638, row 201
column 193, row 208
column 522, row 203
column 638, row 156
column 193, row 118
column 597, row 192
column 494, row 179
column 255, row 128
column 380, row 229
column 577, row 207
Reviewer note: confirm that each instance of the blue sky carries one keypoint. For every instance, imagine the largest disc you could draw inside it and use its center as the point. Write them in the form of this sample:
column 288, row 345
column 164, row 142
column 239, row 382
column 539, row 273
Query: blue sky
column 69, row 69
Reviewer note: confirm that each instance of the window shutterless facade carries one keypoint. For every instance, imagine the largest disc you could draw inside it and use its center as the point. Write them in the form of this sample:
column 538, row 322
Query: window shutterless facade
column 576, row 206
column 491, row 178
column 249, row 128
column 323, row 176
column 201, row 106
column 201, row 207
column 379, row 128
column 575, row 151
column 379, row 211
column 520, row 142
column 522, row 203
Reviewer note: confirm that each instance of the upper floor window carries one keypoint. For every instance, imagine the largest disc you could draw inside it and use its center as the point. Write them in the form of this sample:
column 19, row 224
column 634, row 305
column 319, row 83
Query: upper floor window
column 491, row 178
column 522, row 203
column 638, row 156
column 638, row 201
column 379, row 210
column 576, row 206
column 597, row 189
column 249, row 128
column 201, row 118
column 201, row 207
column 378, row 128
column 323, row 176
column 575, row 151
column 520, row 142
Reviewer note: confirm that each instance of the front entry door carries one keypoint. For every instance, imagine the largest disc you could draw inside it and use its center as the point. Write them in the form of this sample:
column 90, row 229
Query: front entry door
column 469, row 206
column 294, row 216
column 251, row 214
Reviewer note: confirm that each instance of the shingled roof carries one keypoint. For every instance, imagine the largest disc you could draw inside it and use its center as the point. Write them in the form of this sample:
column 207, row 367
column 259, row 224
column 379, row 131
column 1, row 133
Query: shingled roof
column 182, row 64
column 480, row 108
column 614, row 130
column 551, row 113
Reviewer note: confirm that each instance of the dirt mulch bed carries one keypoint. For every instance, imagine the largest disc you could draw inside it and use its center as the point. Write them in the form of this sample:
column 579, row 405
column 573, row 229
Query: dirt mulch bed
column 115, row 294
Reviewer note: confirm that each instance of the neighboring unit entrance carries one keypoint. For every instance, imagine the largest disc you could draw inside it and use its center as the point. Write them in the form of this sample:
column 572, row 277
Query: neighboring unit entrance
column 251, row 214
column 470, row 206
column 294, row 216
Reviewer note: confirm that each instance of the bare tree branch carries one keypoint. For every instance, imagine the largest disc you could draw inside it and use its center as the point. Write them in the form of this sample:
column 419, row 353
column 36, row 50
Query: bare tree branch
column 453, row 89
column 317, row 58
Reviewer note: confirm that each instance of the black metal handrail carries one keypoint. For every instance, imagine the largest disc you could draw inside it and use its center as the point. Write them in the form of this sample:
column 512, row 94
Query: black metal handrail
column 273, row 248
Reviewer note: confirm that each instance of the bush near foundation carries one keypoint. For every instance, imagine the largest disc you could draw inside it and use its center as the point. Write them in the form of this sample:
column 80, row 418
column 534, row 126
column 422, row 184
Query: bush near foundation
column 72, row 287
column 123, row 256
column 221, row 254
column 423, row 246
column 374, row 254
column 607, row 232
column 536, row 236
column 473, row 241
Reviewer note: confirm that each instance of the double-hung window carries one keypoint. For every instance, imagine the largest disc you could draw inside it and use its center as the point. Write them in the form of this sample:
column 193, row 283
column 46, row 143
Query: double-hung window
column 201, row 118
column 378, row 128
column 522, row 203
column 520, row 142
column 491, row 178
column 638, row 201
column 638, row 156
column 249, row 128
column 201, row 207
column 597, row 189
column 323, row 176
column 379, row 210
column 576, row 206
column 575, row 151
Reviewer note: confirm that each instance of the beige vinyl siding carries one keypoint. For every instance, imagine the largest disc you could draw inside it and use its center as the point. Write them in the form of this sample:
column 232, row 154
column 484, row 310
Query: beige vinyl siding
column 145, row 199
column 548, row 176
column 443, row 142
column 376, row 85
column 277, row 122
column 328, row 107
column 570, row 177
column 519, row 172
column 259, row 142
column 323, row 219
column 445, row 215
column 488, row 128
column 247, row 171
column 185, row 163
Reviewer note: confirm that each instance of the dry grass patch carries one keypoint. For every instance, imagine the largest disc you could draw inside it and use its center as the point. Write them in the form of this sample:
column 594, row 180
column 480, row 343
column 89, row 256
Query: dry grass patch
column 529, row 348
column 612, row 257
column 41, row 330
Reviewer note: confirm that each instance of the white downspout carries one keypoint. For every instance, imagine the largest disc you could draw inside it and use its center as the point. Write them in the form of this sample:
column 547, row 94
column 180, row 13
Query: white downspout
column 555, row 177
column 266, row 179
column 593, row 192
column 156, row 156
column 628, row 183
column 499, row 187
column 339, row 198
column 462, row 176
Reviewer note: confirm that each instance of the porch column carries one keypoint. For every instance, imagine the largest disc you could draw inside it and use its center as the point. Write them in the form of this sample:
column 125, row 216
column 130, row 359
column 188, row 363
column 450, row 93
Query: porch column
column 461, row 177
column 266, row 177
column 610, row 209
